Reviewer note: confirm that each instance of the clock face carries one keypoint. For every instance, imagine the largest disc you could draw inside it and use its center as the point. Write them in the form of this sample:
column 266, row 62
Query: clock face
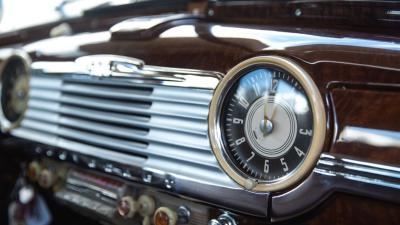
column 267, row 123
column 15, row 78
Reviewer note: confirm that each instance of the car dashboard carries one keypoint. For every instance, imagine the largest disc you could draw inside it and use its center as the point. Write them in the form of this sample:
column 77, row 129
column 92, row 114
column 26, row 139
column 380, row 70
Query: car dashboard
column 222, row 112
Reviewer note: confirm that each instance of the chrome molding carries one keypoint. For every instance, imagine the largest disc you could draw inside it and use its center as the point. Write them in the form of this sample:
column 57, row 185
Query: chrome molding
column 373, row 137
column 338, row 174
column 123, row 114
column 146, row 23
column 133, row 70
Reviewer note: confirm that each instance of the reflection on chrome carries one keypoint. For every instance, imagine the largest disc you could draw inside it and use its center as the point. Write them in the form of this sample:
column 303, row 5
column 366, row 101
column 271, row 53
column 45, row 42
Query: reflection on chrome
column 373, row 137
column 180, row 31
column 375, row 174
column 67, row 45
column 280, row 40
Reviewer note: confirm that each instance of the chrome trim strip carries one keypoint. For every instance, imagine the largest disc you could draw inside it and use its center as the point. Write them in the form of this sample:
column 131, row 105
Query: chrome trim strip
column 337, row 174
column 393, row 12
column 134, row 70
column 145, row 23
column 85, row 185
column 369, row 136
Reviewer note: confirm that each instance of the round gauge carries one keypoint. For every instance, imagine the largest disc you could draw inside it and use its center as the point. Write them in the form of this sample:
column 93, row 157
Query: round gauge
column 267, row 123
column 14, row 90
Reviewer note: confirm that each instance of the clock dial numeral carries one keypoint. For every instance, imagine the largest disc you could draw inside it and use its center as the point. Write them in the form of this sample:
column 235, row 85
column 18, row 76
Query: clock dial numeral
column 284, row 164
column 266, row 166
column 307, row 132
column 240, row 141
column 242, row 101
column 237, row 121
column 300, row 153
column 274, row 86
column 251, row 157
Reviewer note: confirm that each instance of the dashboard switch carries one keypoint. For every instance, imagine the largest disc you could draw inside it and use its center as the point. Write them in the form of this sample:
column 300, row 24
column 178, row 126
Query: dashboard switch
column 224, row 219
column 127, row 207
column 165, row 216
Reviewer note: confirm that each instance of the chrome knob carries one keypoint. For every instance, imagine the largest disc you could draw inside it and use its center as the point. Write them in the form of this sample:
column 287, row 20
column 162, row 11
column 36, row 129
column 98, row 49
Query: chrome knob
column 214, row 222
column 146, row 205
column 224, row 219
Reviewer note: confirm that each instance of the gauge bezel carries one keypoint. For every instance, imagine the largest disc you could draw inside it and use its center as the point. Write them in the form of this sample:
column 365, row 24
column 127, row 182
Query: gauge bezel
column 319, row 123
column 6, row 56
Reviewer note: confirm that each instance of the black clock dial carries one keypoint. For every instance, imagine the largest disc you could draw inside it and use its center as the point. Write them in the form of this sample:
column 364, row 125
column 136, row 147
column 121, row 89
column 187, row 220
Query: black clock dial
column 15, row 88
column 266, row 123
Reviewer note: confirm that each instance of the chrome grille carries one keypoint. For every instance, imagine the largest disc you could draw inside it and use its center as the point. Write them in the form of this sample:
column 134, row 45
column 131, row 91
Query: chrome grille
column 154, row 126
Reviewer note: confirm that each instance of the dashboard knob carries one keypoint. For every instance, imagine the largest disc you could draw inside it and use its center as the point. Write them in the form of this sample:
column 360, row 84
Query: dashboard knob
column 146, row 205
column 183, row 215
column 165, row 216
column 46, row 178
column 33, row 171
column 224, row 219
column 127, row 207
column 146, row 208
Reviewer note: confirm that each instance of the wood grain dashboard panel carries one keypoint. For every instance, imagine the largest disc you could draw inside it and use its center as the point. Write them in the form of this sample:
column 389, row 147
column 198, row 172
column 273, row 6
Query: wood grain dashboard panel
column 367, row 118
column 370, row 16
column 344, row 209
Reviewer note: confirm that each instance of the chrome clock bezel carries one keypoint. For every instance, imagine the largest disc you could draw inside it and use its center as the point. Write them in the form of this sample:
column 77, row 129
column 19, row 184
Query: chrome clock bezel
column 319, row 124
column 6, row 55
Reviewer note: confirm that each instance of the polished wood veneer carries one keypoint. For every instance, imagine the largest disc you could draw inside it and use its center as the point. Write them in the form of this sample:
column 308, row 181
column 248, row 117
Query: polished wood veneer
column 343, row 209
column 373, row 110
column 352, row 15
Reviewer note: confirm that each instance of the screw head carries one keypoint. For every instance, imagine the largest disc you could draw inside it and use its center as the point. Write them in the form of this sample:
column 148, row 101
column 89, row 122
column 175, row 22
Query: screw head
column 298, row 12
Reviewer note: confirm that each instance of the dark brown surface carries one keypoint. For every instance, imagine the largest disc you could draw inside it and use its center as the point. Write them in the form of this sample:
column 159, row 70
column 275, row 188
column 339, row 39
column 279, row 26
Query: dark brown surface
column 345, row 209
column 339, row 209
column 373, row 109
column 92, row 21
column 352, row 15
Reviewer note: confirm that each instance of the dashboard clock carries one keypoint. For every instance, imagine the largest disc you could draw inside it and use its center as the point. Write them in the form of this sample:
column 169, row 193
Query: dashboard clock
column 267, row 123
column 14, row 88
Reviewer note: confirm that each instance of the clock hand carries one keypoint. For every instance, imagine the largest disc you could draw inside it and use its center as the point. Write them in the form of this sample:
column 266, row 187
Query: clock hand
column 266, row 124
